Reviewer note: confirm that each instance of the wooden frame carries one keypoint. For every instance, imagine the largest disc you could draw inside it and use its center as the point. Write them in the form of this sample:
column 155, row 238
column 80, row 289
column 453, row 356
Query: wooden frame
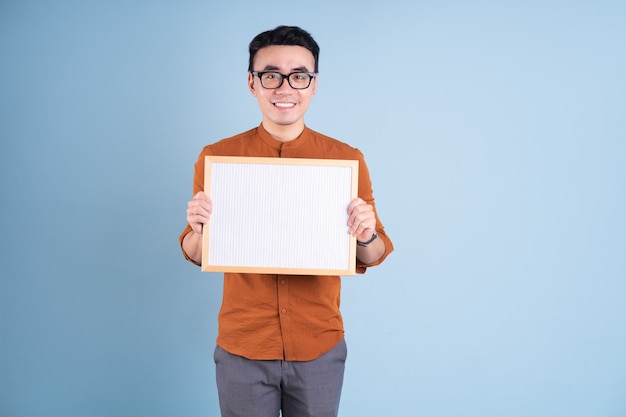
column 279, row 215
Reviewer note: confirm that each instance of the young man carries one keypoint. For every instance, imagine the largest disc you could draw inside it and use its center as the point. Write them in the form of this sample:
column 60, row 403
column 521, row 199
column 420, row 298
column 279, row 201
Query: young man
column 280, row 344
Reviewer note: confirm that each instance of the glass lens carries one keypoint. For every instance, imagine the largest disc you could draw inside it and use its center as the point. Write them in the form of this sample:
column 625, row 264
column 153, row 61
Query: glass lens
column 299, row 79
column 271, row 79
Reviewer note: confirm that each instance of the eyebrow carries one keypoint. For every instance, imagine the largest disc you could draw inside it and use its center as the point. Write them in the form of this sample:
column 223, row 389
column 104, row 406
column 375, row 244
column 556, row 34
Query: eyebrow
column 275, row 68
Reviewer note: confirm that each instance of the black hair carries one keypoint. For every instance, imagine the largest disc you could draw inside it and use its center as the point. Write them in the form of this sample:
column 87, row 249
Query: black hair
column 284, row 35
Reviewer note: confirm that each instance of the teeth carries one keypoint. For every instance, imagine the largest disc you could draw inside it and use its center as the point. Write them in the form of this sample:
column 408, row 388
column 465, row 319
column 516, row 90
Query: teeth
column 284, row 104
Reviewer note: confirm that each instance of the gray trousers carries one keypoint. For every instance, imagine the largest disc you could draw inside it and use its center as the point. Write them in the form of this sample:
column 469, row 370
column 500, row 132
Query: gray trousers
column 250, row 388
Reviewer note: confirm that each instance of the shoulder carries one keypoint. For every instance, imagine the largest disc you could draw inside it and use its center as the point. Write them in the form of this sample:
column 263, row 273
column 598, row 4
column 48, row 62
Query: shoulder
column 334, row 147
column 231, row 145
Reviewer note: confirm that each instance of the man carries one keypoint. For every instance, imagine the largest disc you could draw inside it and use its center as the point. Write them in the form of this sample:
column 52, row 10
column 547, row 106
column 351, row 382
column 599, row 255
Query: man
column 280, row 344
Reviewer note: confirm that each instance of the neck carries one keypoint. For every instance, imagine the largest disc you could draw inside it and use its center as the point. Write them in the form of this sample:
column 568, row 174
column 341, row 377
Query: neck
column 284, row 133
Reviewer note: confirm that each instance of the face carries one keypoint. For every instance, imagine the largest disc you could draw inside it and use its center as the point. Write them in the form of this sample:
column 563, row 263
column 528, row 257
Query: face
column 283, row 108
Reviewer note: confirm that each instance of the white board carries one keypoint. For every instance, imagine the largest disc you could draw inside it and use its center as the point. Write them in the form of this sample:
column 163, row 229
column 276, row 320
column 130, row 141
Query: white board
column 279, row 215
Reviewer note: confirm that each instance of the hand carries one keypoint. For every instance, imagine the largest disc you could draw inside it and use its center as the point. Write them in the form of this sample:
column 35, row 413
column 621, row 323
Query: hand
column 361, row 220
column 199, row 210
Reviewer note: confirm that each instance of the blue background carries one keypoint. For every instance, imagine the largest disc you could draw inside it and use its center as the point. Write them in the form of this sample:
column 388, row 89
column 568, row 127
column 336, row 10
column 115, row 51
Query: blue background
column 495, row 134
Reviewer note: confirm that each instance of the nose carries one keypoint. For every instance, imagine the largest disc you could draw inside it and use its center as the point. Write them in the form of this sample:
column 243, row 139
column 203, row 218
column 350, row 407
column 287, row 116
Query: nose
column 285, row 87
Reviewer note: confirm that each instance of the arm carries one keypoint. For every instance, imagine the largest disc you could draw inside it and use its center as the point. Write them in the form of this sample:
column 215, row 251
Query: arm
column 199, row 210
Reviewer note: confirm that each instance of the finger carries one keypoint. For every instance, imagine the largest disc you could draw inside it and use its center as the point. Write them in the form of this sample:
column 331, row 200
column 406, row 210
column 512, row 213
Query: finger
column 353, row 210
column 361, row 213
column 198, row 214
column 201, row 195
column 355, row 203
column 200, row 205
column 363, row 221
column 363, row 227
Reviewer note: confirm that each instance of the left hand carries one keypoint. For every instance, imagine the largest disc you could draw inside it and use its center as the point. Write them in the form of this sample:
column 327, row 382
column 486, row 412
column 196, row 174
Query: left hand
column 361, row 220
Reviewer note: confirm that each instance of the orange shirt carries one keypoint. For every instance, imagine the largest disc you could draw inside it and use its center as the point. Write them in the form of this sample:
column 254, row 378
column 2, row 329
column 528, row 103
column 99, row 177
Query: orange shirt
column 285, row 317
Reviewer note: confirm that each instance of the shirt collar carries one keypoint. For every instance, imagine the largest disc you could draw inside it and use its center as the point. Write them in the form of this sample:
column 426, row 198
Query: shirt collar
column 278, row 145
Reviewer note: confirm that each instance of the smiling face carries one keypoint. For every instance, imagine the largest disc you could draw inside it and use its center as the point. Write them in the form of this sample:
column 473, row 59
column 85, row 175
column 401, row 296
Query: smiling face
column 283, row 108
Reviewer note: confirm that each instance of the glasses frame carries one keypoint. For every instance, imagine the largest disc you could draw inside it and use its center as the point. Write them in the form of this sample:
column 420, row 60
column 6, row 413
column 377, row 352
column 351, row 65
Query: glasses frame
column 283, row 77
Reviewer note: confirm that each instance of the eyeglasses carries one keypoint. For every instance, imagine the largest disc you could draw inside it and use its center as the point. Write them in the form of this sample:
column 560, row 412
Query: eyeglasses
column 273, row 80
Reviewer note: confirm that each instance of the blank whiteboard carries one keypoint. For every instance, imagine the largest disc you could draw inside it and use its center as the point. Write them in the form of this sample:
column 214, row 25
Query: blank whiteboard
column 279, row 215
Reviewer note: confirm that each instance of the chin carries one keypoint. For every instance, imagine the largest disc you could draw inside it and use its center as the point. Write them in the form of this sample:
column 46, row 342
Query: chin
column 286, row 121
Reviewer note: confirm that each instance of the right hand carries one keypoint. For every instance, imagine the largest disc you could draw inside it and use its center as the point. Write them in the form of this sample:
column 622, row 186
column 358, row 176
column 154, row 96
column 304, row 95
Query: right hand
column 199, row 210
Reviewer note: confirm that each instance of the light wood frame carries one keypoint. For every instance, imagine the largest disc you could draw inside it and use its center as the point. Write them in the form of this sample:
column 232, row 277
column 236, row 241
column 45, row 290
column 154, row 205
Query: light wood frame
column 279, row 215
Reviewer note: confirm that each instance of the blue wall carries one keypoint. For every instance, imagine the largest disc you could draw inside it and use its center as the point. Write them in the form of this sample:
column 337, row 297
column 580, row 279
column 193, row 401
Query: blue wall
column 495, row 133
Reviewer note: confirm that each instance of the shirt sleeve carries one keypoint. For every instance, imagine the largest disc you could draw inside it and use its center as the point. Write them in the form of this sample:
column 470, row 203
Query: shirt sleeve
column 367, row 194
column 198, row 185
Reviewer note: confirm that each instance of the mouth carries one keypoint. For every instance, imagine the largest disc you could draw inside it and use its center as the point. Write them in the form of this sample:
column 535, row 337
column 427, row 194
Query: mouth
column 283, row 105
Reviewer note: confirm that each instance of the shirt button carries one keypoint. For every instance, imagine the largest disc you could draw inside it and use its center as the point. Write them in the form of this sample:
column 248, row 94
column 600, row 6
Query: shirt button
column 284, row 310
column 283, row 282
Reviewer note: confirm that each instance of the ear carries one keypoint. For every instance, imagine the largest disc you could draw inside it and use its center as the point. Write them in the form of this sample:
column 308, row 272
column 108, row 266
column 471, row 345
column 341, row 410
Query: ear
column 314, row 84
column 251, row 84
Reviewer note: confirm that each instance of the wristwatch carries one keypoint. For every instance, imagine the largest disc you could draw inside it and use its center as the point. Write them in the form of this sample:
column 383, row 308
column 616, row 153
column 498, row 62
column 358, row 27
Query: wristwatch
column 373, row 238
